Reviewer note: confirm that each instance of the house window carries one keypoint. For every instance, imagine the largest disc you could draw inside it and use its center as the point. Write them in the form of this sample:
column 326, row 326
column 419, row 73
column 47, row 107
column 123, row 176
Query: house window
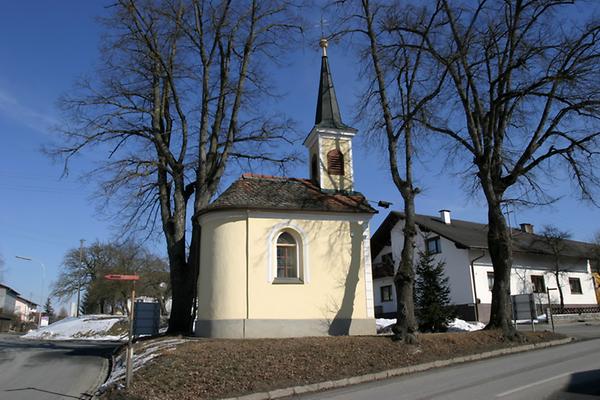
column 490, row 276
column 433, row 245
column 287, row 256
column 335, row 162
column 575, row 285
column 538, row 284
column 386, row 293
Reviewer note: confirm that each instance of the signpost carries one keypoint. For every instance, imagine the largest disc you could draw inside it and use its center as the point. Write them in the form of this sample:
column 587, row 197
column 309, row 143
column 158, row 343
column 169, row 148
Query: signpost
column 132, row 278
column 523, row 306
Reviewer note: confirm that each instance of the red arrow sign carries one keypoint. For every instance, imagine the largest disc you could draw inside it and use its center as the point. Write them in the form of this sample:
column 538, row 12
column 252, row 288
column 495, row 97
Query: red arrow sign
column 117, row 277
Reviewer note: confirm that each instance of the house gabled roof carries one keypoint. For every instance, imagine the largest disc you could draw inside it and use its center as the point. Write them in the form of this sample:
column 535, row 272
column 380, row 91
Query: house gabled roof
column 473, row 235
column 24, row 300
column 15, row 293
column 272, row 193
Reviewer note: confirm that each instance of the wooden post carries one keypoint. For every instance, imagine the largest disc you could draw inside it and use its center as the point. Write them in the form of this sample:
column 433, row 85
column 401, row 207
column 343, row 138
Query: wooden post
column 129, row 371
column 132, row 278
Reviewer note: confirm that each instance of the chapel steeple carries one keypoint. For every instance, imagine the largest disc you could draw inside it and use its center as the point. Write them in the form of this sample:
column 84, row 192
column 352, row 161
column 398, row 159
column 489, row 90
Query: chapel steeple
column 330, row 141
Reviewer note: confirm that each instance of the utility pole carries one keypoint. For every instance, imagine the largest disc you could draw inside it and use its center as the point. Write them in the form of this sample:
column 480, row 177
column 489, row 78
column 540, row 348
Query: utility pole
column 79, row 278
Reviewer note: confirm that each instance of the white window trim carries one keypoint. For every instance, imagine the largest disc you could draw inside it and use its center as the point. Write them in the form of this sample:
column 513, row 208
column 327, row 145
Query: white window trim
column 301, row 263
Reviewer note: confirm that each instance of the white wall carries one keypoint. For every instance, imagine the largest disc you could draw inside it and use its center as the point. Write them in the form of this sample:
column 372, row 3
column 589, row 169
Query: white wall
column 387, row 306
column 457, row 266
column 458, row 269
column 525, row 265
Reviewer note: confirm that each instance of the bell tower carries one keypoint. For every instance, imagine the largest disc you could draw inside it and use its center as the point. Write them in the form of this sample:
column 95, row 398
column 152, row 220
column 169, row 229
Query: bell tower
column 329, row 143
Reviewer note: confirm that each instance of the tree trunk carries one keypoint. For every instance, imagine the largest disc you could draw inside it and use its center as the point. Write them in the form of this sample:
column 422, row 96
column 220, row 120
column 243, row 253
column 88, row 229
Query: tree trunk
column 406, row 324
column 500, row 248
column 560, row 291
column 182, row 291
column 194, row 268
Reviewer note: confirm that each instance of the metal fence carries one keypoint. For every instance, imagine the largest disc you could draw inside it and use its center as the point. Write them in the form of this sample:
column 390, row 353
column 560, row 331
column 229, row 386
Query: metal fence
column 575, row 310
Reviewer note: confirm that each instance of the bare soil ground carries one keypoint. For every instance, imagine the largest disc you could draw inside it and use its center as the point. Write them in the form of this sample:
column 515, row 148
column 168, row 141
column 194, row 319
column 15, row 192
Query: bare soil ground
column 210, row 369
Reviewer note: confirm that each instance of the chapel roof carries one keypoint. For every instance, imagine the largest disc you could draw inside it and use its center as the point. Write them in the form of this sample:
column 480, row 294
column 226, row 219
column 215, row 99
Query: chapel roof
column 274, row 193
column 473, row 235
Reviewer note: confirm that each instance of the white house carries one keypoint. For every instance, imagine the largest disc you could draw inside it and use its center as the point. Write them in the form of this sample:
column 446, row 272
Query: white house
column 26, row 309
column 463, row 247
column 8, row 297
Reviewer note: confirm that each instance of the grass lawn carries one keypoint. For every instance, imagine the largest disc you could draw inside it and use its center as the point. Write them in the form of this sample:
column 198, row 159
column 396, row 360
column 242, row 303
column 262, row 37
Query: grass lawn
column 210, row 368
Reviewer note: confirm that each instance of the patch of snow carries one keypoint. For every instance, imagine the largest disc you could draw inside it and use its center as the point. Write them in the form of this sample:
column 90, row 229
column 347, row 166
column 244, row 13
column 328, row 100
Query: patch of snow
column 459, row 325
column 539, row 319
column 143, row 352
column 384, row 325
column 86, row 327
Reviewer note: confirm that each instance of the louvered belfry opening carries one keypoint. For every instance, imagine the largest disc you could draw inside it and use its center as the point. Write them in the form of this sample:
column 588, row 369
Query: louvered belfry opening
column 335, row 162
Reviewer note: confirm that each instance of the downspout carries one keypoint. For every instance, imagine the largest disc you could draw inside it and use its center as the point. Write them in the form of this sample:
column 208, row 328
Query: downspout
column 247, row 269
column 475, row 285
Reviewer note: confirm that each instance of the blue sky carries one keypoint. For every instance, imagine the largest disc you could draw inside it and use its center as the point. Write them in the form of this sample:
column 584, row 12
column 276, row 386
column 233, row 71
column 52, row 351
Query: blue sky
column 45, row 46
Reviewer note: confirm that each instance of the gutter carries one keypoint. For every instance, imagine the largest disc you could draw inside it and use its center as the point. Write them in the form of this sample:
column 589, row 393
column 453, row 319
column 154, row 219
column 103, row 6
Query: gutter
column 474, row 285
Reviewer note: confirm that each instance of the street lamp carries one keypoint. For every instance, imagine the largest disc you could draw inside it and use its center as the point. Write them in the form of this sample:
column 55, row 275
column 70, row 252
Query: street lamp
column 43, row 283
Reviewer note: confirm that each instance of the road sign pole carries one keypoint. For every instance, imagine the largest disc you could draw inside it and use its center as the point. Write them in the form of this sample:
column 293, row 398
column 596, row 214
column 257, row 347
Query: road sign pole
column 129, row 361
column 130, row 344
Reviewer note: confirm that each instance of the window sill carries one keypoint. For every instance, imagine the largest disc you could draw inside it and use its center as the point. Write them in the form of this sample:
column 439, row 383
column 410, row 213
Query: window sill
column 288, row 281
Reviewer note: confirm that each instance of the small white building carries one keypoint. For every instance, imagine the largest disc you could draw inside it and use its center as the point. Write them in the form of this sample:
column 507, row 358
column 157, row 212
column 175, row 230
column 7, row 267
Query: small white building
column 8, row 298
column 463, row 247
column 26, row 309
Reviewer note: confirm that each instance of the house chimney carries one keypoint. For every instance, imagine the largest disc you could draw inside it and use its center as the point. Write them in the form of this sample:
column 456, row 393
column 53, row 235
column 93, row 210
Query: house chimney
column 445, row 216
column 527, row 228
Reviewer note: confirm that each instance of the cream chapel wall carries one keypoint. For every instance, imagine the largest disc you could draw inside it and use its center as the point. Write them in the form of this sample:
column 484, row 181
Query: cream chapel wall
column 334, row 268
column 236, row 289
column 222, row 282
column 336, row 182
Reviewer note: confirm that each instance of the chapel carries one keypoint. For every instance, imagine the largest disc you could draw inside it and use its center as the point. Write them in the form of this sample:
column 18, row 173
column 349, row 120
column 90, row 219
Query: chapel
column 287, row 257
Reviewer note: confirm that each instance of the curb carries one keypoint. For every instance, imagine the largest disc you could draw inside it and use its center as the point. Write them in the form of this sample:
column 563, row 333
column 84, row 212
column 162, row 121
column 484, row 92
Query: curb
column 102, row 377
column 107, row 369
column 316, row 387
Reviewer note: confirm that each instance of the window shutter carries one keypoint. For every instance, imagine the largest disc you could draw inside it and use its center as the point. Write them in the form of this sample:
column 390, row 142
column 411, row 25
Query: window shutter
column 335, row 162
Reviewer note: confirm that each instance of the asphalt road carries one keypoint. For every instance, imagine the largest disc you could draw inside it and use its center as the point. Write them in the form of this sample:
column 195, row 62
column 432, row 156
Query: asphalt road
column 564, row 372
column 31, row 370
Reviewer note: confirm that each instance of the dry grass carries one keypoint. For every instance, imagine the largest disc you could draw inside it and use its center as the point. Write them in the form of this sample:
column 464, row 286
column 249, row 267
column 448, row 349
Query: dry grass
column 209, row 369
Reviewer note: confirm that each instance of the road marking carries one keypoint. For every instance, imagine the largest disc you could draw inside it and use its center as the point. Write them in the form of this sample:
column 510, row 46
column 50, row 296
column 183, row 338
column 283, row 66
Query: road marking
column 518, row 389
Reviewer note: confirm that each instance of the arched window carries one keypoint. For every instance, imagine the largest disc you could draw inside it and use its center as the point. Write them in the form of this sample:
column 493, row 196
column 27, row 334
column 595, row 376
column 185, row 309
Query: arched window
column 335, row 162
column 287, row 256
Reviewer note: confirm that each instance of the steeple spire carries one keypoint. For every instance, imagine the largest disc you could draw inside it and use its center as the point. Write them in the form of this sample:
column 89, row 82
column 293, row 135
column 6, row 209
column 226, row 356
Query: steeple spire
column 328, row 111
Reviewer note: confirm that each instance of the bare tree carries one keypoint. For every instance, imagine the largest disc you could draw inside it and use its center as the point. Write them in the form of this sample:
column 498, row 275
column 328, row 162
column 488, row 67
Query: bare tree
column 556, row 242
column 522, row 108
column 177, row 99
column 398, row 91
column 100, row 259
